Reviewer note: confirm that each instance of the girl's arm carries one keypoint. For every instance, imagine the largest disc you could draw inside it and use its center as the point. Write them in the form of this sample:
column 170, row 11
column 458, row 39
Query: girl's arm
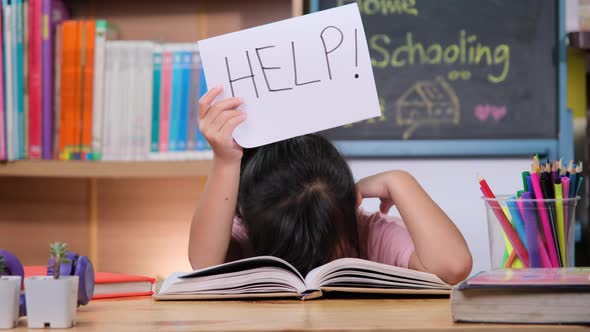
column 212, row 222
column 439, row 246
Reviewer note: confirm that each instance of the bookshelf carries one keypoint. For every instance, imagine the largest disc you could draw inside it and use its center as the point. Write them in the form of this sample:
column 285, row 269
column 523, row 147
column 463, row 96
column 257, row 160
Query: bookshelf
column 119, row 169
column 128, row 217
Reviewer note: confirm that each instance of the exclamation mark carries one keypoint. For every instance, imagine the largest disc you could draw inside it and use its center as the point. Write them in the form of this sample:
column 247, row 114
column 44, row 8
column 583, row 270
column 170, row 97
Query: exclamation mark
column 356, row 51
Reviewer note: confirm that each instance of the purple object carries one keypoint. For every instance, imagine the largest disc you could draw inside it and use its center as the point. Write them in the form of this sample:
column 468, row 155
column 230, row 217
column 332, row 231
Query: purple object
column 85, row 273
column 79, row 266
column 54, row 12
column 531, row 228
column 13, row 265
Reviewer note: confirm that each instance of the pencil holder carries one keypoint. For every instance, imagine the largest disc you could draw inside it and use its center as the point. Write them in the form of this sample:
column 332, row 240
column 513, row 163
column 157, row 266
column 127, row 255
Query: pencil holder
column 528, row 232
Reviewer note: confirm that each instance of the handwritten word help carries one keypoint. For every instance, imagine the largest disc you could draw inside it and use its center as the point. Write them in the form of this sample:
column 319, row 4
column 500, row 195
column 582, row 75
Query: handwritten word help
column 331, row 37
column 297, row 76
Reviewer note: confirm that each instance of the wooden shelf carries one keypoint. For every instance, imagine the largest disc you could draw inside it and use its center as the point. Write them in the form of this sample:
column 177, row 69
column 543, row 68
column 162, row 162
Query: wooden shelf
column 99, row 169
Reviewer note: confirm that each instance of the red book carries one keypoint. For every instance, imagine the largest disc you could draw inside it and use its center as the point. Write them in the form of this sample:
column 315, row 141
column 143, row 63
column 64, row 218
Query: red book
column 109, row 285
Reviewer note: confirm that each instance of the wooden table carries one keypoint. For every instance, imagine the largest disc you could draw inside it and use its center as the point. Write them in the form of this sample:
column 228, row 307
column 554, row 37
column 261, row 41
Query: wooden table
column 144, row 314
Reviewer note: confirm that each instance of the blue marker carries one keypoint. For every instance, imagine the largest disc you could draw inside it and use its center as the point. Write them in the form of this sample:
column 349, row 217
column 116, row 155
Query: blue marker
column 517, row 222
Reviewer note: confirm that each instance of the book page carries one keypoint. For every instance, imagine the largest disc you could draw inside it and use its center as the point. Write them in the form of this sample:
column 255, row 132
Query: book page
column 354, row 272
column 252, row 275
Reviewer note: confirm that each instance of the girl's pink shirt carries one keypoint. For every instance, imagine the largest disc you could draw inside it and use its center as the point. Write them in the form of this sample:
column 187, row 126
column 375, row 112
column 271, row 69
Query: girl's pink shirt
column 382, row 238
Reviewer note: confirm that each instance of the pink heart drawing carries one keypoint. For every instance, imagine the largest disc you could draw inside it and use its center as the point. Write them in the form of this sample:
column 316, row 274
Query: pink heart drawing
column 498, row 113
column 482, row 112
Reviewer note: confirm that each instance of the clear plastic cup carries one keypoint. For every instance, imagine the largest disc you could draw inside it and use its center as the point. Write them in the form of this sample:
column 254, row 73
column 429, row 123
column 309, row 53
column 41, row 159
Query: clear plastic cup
column 544, row 227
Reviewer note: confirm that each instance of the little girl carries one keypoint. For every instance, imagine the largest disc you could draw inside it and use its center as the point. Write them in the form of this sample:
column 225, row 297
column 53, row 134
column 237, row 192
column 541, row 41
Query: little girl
column 297, row 200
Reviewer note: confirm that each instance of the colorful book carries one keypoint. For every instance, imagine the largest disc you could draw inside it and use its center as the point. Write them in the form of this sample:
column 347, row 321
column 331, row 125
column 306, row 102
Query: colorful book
column 532, row 295
column 13, row 42
column 87, row 88
column 156, row 97
column 54, row 13
column 202, row 144
column 167, row 59
column 193, row 120
column 7, row 11
column 19, row 81
column 69, row 87
column 109, row 285
column 2, row 115
column 186, row 68
column 35, row 79
column 56, row 94
column 98, row 86
column 176, row 99
column 25, row 91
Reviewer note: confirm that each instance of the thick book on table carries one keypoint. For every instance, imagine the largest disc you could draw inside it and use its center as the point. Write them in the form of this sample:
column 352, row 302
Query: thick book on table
column 267, row 276
column 559, row 295
column 109, row 285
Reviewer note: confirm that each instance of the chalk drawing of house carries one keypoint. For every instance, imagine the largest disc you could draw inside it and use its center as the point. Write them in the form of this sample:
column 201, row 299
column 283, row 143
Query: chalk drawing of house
column 427, row 102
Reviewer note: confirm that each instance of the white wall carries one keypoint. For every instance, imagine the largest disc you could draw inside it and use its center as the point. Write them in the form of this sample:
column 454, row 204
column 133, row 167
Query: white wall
column 453, row 185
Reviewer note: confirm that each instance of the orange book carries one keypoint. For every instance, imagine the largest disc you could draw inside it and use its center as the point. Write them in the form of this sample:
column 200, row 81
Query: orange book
column 68, row 87
column 87, row 87
column 76, row 111
column 109, row 285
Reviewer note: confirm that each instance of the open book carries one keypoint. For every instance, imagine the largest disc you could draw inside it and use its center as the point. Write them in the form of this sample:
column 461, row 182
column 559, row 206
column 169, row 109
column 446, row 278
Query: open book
column 267, row 276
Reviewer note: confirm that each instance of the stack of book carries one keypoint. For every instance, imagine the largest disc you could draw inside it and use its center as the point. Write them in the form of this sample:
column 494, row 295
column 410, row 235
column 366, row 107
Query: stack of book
column 72, row 91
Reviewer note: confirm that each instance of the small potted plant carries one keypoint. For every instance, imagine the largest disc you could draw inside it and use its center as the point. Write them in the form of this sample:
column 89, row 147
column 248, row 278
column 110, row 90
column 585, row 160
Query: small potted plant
column 9, row 297
column 52, row 300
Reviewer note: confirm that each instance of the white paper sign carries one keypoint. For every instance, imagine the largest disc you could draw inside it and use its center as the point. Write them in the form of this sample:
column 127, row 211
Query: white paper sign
column 297, row 76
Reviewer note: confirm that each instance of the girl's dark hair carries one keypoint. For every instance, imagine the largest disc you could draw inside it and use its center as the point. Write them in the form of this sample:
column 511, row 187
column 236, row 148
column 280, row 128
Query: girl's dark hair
column 297, row 199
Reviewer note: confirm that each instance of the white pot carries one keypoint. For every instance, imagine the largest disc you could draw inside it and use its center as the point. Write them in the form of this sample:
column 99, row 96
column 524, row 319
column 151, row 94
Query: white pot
column 51, row 302
column 9, row 297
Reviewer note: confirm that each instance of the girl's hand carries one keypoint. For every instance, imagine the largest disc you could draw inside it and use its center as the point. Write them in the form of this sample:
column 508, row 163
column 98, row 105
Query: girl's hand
column 217, row 122
column 377, row 186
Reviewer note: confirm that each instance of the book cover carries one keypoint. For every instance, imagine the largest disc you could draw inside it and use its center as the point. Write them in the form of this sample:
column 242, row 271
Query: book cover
column 98, row 87
column 530, row 295
column 69, row 87
column 167, row 58
column 18, row 73
column 144, row 99
column 25, row 85
column 193, row 102
column 56, row 116
column 202, row 144
column 109, row 285
column 35, row 85
column 186, row 68
column 87, row 88
column 2, row 125
column 54, row 13
column 7, row 11
column 14, row 19
column 156, row 97
column 175, row 99
column 530, row 277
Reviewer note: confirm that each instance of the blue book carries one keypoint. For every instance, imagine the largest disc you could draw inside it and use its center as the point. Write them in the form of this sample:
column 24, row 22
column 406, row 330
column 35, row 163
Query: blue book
column 185, row 100
column 15, row 13
column 202, row 143
column 155, row 130
column 175, row 101
column 20, row 82
column 193, row 106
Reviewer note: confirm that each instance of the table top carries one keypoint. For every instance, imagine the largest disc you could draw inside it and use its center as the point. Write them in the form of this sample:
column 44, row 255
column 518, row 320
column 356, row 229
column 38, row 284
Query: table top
column 416, row 314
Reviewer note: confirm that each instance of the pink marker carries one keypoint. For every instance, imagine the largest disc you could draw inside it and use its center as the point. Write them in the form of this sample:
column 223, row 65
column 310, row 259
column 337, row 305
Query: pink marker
column 536, row 182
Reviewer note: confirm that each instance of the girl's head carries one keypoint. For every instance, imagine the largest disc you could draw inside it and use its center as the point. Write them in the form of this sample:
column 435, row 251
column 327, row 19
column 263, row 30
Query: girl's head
column 297, row 199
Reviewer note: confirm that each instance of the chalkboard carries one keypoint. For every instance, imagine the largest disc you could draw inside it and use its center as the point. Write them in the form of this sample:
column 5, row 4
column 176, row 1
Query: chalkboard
column 460, row 69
